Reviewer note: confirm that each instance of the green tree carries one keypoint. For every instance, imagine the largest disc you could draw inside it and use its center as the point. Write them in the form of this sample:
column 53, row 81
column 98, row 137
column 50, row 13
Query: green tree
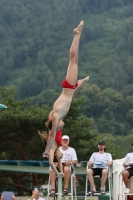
column 19, row 124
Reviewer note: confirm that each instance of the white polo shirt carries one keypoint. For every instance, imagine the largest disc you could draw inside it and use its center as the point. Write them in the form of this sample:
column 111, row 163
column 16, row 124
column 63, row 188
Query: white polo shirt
column 129, row 159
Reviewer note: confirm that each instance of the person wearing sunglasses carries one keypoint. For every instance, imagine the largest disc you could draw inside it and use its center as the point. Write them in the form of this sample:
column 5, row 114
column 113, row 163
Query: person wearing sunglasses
column 97, row 165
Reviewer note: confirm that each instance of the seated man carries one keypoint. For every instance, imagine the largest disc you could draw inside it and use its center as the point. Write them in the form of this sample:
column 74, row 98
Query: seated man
column 97, row 165
column 36, row 194
column 69, row 158
column 128, row 172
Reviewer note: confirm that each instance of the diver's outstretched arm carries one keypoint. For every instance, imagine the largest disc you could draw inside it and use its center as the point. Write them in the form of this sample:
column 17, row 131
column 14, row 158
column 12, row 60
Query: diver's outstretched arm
column 51, row 156
column 60, row 166
column 51, row 137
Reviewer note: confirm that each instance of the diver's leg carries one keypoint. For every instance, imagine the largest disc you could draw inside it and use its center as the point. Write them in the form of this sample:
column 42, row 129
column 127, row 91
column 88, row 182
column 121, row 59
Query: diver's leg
column 80, row 83
column 51, row 157
column 72, row 71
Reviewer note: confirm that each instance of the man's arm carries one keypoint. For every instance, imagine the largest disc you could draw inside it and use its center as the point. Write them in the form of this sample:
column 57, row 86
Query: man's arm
column 89, row 164
column 74, row 162
column 35, row 195
column 74, row 159
column 91, row 160
column 127, row 165
column 13, row 197
column 109, row 163
column 2, row 197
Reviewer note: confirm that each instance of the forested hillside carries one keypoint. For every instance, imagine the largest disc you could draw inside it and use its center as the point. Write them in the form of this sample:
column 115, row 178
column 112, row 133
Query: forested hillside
column 35, row 38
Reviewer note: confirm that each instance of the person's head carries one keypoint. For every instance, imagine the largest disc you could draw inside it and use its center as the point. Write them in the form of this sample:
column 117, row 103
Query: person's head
column 36, row 192
column 65, row 140
column 36, row 188
column 101, row 145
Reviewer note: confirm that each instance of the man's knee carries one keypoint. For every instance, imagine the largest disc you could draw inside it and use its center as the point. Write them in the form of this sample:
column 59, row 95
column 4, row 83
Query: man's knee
column 89, row 172
column 104, row 172
column 66, row 169
column 125, row 173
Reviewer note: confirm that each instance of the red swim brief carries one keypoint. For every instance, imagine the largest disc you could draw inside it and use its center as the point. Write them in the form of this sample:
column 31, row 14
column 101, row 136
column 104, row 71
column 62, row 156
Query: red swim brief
column 65, row 84
column 58, row 137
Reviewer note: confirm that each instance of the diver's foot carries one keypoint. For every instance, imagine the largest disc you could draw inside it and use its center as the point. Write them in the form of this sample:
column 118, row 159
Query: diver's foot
column 86, row 79
column 79, row 28
column 81, row 81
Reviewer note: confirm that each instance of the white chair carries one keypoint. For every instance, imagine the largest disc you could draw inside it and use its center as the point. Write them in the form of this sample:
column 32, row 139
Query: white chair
column 73, row 182
column 123, row 196
column 59, row 186
column 118, row 184
column 109, row 184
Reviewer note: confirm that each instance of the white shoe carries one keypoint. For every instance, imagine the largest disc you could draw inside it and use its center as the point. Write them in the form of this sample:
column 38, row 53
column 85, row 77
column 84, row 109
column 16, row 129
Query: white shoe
column 127, row 191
